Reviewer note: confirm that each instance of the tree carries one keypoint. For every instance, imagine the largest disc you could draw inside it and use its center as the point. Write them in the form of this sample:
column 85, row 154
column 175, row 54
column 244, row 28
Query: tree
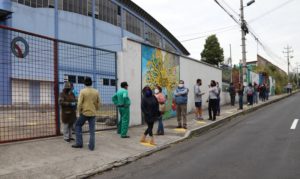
column 212, row 52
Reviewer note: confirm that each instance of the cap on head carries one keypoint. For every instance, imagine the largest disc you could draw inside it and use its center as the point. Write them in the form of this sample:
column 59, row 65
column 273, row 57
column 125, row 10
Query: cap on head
column 124, row 84
column 181, row 82
column 67, row 85
column 88, row 81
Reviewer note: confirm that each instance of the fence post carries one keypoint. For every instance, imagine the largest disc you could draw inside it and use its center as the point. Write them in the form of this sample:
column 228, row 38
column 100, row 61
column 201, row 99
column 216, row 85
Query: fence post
column 56, row 87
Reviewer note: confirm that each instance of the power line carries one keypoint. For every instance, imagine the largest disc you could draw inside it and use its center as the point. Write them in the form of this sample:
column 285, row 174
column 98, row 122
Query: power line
column 226, row 4
column 195, row 38
column 209, row 31
column 271, row 10
column 265, row 47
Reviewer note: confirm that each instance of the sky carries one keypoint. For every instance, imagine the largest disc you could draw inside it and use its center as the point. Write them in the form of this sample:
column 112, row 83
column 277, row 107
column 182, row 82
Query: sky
column 275, row 23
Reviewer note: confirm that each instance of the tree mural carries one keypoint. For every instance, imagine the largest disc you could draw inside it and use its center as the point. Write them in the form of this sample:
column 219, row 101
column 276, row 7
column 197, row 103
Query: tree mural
column 161, row 68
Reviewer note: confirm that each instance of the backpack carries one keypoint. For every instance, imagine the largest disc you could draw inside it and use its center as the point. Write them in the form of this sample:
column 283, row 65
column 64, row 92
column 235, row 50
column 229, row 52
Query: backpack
column 250, row 91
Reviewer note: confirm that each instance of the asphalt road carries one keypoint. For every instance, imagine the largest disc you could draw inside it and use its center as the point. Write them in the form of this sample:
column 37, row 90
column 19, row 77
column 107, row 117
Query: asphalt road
column 260, row 145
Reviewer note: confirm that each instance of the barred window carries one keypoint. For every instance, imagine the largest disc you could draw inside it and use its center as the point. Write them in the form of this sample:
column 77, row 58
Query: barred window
column 152, row 36
column 168, row 46
column 133, row 24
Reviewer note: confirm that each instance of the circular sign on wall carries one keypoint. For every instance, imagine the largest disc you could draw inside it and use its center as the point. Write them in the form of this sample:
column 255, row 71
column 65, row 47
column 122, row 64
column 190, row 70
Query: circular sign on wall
column 19, row 47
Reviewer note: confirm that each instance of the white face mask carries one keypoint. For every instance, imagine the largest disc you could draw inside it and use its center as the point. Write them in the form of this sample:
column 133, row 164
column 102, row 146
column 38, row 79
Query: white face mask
column 156, row 91
column 180, row 85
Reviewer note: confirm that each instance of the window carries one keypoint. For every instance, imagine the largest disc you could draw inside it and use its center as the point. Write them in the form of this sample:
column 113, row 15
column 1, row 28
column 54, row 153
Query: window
column 39, row 3
column 112, row 82
column 72, row 78
column 27, row 2
column 21, row 1
column 133, row 24
column 45, row 3
column 90, row 8
column 152, row 36
column 81, row 79
column 105, row 82
column 51, row 4
column 33, row 3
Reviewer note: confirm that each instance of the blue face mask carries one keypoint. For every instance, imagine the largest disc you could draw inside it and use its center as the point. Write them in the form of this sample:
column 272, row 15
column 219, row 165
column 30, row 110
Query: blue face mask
column 148, row 93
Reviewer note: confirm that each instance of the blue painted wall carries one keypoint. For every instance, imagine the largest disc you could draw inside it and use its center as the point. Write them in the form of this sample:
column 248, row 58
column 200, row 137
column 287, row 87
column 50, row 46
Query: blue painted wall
column 5, row 69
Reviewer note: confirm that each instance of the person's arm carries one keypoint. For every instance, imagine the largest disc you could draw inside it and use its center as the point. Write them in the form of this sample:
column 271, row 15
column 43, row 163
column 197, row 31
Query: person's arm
column 62, row 102
column 144, row 107
column 185, row 91
column 115, row 99
column 98, row 102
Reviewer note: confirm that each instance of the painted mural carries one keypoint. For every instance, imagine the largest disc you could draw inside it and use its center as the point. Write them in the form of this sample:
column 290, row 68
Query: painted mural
column 161, row 68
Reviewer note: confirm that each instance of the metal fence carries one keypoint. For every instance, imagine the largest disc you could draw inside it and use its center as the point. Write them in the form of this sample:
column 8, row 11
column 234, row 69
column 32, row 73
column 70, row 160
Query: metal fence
column 33, row 69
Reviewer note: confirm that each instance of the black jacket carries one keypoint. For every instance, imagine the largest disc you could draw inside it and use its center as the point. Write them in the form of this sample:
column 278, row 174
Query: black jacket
column 150, row 108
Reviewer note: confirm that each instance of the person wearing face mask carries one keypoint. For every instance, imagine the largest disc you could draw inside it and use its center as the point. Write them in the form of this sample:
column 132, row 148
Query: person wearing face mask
column 181, row 99
column 198, row 99
column 161, row 100
column 150, row 109
column 68, row 104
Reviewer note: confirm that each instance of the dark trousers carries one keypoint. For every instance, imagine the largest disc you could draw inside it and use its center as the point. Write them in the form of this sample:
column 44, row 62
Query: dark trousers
column 149, row 129
column 218, row 106
column 241, row 101
column 250, row 99
column 212, row 108
column 232, row 100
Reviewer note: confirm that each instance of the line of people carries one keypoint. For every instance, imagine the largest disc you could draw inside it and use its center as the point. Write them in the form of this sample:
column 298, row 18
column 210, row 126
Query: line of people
column 152, row 105
column 252, row 92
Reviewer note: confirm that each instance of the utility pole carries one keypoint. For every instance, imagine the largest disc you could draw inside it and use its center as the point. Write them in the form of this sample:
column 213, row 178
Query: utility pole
column 288, row 50
column 243, row 41
column 230, row 57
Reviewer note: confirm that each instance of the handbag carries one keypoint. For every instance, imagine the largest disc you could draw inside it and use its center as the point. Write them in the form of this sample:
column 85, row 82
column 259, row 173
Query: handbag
column 162, row 107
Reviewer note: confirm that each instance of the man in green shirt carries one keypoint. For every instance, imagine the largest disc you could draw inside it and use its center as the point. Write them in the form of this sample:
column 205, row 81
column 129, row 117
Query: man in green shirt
column 122, row 101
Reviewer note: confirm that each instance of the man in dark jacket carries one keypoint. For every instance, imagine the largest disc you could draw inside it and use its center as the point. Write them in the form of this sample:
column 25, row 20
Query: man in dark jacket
column 232, row 93
column 67, row 101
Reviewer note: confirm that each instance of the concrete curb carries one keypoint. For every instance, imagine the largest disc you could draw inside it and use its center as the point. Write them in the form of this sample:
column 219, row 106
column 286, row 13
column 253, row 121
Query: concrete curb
column 188, row 134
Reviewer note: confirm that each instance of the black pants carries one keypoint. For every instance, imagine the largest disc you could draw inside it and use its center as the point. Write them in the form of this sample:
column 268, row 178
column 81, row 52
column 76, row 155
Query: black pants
column 212, row 107
column 232, row 100
column 149, row 129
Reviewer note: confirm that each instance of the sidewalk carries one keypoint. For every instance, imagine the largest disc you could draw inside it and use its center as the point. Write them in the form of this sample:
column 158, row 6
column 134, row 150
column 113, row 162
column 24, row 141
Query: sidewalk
column 53, row 158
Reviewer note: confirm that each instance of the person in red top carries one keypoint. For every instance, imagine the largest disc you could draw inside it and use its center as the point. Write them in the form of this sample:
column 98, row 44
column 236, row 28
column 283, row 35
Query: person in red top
column 161, row 100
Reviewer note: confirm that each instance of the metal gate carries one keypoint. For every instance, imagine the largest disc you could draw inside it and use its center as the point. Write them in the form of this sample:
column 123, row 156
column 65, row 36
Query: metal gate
column 33, row 69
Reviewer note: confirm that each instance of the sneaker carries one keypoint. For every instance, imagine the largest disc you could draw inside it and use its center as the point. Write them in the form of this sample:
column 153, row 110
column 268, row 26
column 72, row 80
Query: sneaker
column 67, row 140
column 77, row 146
column 184, row 127
column 126, row 136
column 72, row 138
column 179, row 126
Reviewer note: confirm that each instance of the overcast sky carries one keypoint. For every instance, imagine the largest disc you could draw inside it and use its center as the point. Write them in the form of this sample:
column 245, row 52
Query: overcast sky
column 276, row 24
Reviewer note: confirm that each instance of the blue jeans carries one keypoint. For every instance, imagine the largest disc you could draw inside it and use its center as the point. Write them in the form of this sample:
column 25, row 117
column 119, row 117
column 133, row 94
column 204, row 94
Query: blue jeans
column 160, row 129
column 78, row 129
column 241, row 101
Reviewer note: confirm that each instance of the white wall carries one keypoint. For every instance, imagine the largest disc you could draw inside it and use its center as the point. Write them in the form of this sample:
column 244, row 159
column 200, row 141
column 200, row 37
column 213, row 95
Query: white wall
column 190, row 71
column 45, row 92
column 20, row 92
column 129, row 69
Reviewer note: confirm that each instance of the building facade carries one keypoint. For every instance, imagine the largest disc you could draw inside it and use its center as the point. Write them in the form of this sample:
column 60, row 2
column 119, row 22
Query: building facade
column 95, row 23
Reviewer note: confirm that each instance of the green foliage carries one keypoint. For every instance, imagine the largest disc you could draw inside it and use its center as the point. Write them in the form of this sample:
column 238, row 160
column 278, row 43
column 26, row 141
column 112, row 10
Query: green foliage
column 280, row 78
column 212, row 52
